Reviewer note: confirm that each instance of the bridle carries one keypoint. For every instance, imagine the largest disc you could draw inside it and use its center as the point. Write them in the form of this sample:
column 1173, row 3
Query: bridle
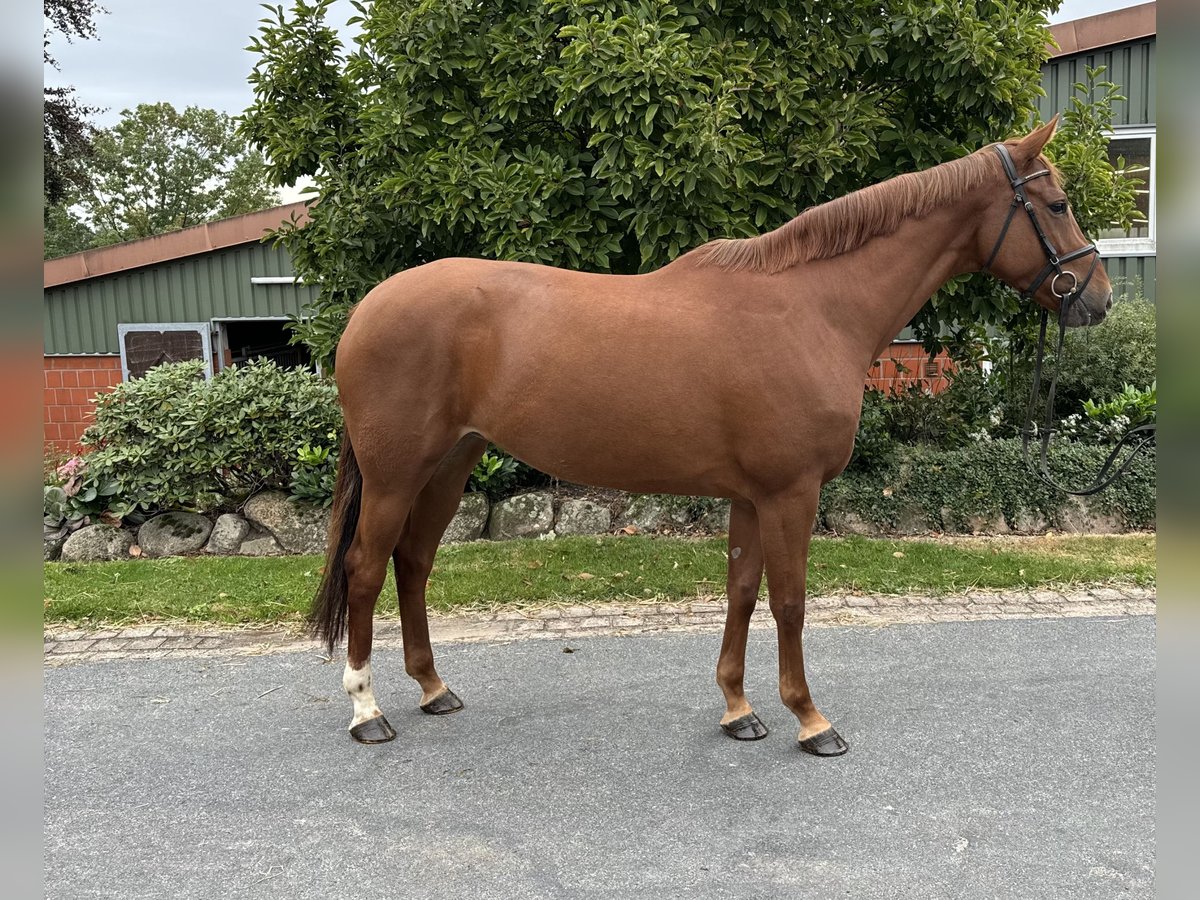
column 1143, row 434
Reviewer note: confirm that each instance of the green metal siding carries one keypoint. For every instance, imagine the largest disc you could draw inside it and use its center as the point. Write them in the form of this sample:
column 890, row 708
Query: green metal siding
column 1131, row 67
column 82, row 317
column 1132, row 274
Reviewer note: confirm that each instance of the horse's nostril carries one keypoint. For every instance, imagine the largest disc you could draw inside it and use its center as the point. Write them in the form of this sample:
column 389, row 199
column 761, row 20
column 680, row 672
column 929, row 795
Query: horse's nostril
column 1108, row 302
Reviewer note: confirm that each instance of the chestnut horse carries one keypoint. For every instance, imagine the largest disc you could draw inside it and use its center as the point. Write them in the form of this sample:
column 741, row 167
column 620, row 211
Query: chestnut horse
column 736, row 371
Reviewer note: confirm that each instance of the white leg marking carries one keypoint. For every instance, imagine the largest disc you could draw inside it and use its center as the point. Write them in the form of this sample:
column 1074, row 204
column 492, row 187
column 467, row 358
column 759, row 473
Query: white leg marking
column 357, row 683
column 735, row 552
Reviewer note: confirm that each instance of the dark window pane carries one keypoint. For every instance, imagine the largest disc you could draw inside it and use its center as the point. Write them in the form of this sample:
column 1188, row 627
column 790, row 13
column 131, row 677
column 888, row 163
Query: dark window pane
column 146, row 349
column 1136, row 153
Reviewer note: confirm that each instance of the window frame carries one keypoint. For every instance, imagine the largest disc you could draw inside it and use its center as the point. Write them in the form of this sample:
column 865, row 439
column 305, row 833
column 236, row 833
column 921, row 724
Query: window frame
column 1138, row 246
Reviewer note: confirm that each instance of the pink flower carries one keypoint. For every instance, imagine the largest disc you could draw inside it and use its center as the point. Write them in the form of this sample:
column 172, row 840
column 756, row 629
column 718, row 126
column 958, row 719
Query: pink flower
column 71, row 467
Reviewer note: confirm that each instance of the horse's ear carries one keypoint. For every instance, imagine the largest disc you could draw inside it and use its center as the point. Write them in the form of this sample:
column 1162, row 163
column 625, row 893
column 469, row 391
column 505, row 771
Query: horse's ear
column 1031, row 145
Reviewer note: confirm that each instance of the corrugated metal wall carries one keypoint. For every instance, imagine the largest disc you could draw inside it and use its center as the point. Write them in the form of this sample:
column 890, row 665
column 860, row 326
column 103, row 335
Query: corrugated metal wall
column 1133, row 68
column 1129, row 66
column 1132, row 274
column 82, row 317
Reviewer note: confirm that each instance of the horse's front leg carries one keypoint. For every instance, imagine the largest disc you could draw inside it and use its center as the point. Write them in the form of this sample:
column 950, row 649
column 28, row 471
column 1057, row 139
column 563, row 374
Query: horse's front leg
column 743, row 581
column 785, row 525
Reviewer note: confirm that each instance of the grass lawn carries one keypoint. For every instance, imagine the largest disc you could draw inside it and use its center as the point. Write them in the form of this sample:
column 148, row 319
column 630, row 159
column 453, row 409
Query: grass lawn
column 583, row 569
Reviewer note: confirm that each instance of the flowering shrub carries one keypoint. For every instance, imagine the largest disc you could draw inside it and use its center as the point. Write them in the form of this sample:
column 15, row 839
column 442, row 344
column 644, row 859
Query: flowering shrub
column 1107, row 422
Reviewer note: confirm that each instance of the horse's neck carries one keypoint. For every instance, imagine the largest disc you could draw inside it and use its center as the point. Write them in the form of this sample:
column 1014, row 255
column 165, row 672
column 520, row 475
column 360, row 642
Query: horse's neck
column 888, row 279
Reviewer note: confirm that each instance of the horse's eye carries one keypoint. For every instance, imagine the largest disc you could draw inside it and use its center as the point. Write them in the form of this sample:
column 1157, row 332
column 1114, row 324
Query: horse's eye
column 1058, row 207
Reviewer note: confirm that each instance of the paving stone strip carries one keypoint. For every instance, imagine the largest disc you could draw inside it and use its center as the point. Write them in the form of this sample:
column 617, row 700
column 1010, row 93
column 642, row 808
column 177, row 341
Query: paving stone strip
column 64, row 645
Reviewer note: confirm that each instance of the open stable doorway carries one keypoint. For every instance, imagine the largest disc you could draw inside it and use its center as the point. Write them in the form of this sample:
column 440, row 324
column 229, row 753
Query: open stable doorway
column 240, row 340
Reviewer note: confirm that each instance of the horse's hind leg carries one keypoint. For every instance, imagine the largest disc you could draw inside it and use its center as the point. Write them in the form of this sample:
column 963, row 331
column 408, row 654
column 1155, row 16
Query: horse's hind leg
column 744, row 578
column 413, row 557
column 380, row 520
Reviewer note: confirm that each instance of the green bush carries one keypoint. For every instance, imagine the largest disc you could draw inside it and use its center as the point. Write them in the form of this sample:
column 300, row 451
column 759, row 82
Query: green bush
column 315, row 474
column 966, row 412
column 1108, row 422
column 173, row 439
column 1098, row 362
column 946, row 487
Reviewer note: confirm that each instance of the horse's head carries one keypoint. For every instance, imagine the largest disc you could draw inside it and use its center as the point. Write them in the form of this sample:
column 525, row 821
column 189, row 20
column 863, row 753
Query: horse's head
column 1034, row 243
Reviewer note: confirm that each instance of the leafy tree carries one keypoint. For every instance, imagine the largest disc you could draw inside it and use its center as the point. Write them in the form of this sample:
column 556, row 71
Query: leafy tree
column 66, row 133
column 159, row 169
column 1101, row 195
column 64, row 232
column 613, row 135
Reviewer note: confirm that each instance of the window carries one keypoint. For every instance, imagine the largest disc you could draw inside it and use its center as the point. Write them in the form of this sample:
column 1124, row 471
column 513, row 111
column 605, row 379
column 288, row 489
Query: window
column 145, row 346
column 1136, row 147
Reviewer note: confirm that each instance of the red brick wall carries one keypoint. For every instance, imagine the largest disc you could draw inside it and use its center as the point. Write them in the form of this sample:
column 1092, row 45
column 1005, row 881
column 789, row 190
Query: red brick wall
column 885, row 373
column 70, row 384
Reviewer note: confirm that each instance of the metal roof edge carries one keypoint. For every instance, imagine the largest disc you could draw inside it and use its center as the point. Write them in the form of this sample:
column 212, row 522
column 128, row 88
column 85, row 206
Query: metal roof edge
column 1104, row 30
column 161, row 248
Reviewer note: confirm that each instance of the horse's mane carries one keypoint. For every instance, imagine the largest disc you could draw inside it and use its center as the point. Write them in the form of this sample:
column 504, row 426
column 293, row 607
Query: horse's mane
column 850, row 221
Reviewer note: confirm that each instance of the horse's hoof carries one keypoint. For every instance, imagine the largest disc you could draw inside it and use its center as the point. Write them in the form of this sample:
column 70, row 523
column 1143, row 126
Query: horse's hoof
column 373, row 731
column 443, row 704
column 825, row 743
column 747, row 728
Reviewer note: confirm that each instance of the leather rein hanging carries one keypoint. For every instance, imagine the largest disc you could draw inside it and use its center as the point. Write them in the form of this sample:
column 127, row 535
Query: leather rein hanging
column 1138, row 437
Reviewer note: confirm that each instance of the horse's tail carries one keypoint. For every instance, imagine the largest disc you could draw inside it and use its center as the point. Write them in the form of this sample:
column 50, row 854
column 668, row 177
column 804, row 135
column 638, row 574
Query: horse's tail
column 327, row 619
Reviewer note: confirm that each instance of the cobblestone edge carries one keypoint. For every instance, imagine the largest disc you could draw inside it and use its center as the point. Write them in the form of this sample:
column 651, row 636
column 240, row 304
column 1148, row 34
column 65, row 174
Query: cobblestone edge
column 63, row 645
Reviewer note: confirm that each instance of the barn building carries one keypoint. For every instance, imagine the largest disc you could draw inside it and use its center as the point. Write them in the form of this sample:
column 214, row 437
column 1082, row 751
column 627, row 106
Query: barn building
column 216, row 292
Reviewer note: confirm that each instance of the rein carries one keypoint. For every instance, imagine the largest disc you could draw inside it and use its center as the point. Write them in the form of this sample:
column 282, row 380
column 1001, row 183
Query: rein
column 1138, row 438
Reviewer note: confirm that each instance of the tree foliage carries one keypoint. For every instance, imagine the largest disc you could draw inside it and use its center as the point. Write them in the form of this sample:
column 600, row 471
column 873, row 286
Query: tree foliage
column 159, row 169
column 63, row 232
column 613, row 135
column 66, row 132
column 1102, row 196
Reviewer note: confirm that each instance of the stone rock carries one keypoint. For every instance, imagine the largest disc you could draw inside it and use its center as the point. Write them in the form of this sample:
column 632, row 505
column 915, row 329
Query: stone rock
column 1028, row 521
column 470, row 520
column 986, row 523
column 1076, row 516
column 526, row 515
column 950, row 520
column 260, row 546
column 845, row 521
column 173, row 534
column 715, row 518
column 583, row 517
column 910, row 519
column 650, row 512
column 297, row 527
column 54, row 506
column 96, row 543
column 53, row 540
column 645, row 512
column 227, row 534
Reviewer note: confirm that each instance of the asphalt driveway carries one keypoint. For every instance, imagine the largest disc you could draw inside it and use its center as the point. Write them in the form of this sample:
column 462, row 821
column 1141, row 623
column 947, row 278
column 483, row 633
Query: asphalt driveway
column 988, row 759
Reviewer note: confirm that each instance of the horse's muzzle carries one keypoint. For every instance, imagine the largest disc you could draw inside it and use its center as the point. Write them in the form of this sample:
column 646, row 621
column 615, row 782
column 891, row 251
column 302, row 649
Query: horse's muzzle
column 1088, row 309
